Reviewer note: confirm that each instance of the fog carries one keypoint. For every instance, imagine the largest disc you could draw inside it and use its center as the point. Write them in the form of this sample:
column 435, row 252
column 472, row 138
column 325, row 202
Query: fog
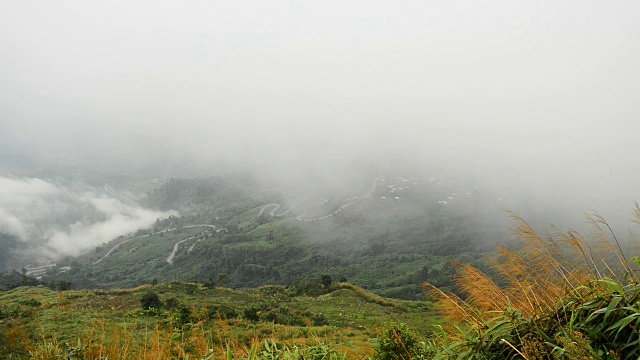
column 59, row 221
column 532, row 98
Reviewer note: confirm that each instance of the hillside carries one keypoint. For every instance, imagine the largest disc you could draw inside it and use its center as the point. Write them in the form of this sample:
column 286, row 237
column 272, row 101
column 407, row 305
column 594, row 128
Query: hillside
column 188, row 319
column 562, row 297
column 387, row 234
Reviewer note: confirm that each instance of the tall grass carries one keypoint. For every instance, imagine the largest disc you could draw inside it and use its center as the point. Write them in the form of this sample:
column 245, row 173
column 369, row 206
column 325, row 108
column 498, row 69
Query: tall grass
column 560, row 296
column 37, row 323
column 135, row 337
column 199, row 343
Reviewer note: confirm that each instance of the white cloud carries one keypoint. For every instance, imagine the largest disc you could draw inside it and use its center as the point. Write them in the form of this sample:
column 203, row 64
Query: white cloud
column 64, row 221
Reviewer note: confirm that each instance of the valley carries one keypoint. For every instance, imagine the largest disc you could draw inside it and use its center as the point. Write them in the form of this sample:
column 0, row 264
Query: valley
column 388, row 238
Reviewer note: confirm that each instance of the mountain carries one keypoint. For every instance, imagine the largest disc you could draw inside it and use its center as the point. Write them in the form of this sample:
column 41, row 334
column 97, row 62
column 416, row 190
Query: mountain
column 389, row 235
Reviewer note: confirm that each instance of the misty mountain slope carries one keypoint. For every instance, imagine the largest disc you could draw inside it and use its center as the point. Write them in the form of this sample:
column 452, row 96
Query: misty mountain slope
column 52, row 219
column 217, row 199
column 386, row 244
column 9, row 245
column 136, row 262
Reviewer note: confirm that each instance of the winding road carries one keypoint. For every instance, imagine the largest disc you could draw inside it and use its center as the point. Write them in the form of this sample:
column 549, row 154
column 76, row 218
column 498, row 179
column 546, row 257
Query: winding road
column 115, row 247
column 175, row 249
column 272, row 212
column 35, row 271
column 344, row 206
column 276, row 206
column 300, row 217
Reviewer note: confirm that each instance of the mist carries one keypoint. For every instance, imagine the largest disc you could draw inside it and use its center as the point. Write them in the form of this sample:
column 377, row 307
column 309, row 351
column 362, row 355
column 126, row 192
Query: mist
column 532, row 99
column 56, row 221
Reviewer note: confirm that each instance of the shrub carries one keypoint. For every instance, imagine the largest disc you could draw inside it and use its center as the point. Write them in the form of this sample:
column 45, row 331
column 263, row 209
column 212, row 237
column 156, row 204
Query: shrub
column 251, row 314
column 222, row 311
column 272, row 350
column 398, row 343
column 180, row 312
column 31, row 302
column 150, row 300
column 326, row 281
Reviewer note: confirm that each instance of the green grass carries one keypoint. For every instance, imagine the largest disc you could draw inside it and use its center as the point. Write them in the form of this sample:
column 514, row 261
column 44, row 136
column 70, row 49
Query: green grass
column 348, row 319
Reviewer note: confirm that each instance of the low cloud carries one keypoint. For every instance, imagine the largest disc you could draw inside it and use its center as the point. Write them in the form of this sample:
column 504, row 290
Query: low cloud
column 58, row 220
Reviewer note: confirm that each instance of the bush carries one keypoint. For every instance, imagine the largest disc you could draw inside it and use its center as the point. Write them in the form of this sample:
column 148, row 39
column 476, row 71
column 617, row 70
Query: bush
column 251, row 314
column 222, row 311
column 31, row 302
column 272, row 350
column 399, row 343
column 326, row 281
column 180, row 311
column 150, row 300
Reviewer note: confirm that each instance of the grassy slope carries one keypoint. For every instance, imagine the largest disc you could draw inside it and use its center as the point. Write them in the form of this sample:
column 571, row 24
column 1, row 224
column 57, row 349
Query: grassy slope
column 353, row 318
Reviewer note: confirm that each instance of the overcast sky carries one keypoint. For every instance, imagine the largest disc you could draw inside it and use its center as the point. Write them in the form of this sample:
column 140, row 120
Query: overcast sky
column 541, row 91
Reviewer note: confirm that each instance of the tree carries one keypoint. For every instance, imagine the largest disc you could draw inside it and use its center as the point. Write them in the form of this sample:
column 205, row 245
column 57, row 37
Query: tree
column 150, row 300
column 63, row 285
column 209, row 283
column 180, row 311
column 222, row 279
column 326, row 281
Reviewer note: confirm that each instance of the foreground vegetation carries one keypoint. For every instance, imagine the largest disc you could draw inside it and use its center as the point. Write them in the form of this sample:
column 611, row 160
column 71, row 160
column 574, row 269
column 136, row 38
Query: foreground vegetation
column 559, row 297
column 189, row 320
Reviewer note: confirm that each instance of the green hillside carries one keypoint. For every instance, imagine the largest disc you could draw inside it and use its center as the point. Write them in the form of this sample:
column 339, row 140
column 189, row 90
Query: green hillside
column 565, row 296
column 232, row 225
column 188, row 319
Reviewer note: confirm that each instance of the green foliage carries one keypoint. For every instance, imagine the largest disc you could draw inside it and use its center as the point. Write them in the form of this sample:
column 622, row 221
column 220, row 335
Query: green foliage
column 252, row 313
column 313, row 287
column 271, row 350
column 286, row 315
column 559, row 305
column 180, row 312
column 14, row 279
column 60, row 285
column 222, row 312
column 398, row 342
column 385, row 247
column 222, row 279
column 31, row 302
column 573, row 344
column 326, row 281
column 607, row 314
column 577, row 330
column 274, row 351
column 195, row 319
column 149, row 300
